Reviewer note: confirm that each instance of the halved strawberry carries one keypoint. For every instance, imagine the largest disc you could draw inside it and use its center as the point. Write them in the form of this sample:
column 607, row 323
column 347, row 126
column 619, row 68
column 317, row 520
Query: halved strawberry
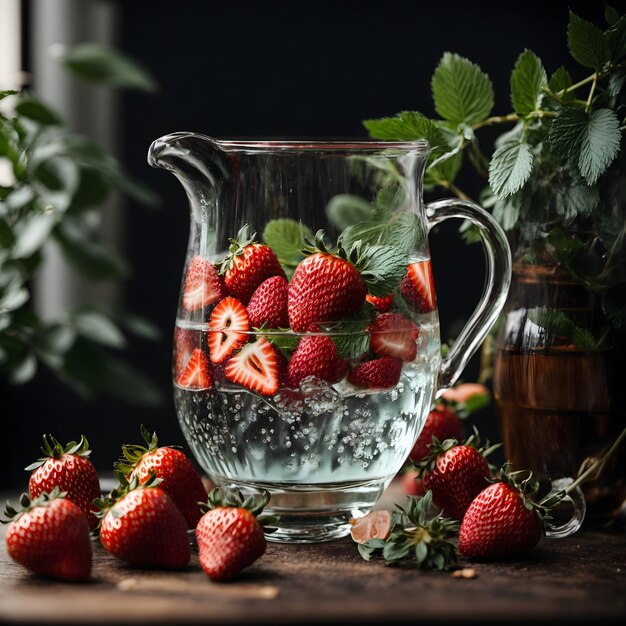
column 228, row 327
column 255, row 367
column 382, row 304
column 381, row 373
column 393, row 335
column 418, row 287
column 185, row 341
column 203, row 284
column 197, row 374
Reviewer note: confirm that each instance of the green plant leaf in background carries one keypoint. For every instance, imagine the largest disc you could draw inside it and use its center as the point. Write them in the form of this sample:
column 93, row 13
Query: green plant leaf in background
column 35, row 110
column 586, row 42
column 600, row 144
column 407, row 126
column 102, row 65
column 527, row 82
column 510, row 168
column 462, row 92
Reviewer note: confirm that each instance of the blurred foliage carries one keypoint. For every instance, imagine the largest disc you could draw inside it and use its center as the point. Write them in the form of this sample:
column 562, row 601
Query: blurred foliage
column 56, row 185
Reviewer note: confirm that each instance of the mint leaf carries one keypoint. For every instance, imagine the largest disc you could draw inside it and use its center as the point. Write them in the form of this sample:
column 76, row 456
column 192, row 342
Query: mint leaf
column 286, row 238
column 345, row 209
column 461, row 90
column 406, row 126
column 560, row 80
column 610, row 14
column 566, row 132
column 600, row 144
column 586, row 42
column 553, row 321
column 401, row 230
column 527, row 82
column 349, row 337
column 381, row 267
column 509, row 169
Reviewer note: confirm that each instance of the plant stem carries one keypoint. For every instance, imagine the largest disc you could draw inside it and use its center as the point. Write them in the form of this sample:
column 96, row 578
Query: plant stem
column 580, row 83
column 591, row 92
column 497, row 119
column 455, row 190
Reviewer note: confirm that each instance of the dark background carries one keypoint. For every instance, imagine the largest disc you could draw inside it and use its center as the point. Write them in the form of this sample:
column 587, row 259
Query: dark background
column 230, row 69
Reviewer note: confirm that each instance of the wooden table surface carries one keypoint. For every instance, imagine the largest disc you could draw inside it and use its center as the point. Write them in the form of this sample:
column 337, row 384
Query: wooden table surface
column 579, row 579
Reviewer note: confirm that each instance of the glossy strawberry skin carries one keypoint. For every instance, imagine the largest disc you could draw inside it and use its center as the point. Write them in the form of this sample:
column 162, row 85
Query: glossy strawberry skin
column 393, row 335
column 179, row 477
column 316, row 355
column 324, row 288
column 418, row 287
column 145, row 529
column 52, row 541
column 460, row 474
column 249, row 269
column 497, row 524
column 73, row 474
column 413, row 484
column 268, row 304
column 229, row 540
column 443, row 424
column 203, row 285
column 381, row 373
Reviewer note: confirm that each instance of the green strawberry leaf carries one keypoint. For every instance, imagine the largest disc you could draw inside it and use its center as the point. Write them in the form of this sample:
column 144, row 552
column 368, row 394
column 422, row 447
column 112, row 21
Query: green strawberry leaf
column 344, row 210
column 286, row 238
column 407, row 126
column 527, row 82
column 510, row 168
column 586, row 42
column 381, row 267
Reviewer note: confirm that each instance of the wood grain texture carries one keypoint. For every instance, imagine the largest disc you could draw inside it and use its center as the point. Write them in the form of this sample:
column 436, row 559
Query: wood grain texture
column 578, row 579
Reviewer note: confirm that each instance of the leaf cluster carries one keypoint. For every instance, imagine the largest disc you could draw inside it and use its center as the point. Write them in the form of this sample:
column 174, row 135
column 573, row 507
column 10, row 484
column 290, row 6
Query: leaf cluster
column 56, row 185
column 560, row 163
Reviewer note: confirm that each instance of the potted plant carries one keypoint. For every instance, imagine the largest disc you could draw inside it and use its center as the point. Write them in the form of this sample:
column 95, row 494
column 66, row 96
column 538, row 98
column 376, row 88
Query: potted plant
column 557, row 184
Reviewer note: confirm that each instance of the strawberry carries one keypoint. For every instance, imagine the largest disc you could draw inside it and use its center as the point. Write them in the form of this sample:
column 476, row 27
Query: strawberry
column 197, row 374
column 502, row 520
column 393, row 335
column 185, row 341
column 412, row 483
column 455, row 473
column 203, row 285
column 247, row 265
column 325, row 287
column 178, row 477
column 382, row 304
column 316, row 355
column 50, row 537
column 229, row 324
column 418, row 287
column 379, row 373
column 268, row 304
column 230, row 535
column 69, row 469
column 255, row 367
column 442, row 423
column 142, row 526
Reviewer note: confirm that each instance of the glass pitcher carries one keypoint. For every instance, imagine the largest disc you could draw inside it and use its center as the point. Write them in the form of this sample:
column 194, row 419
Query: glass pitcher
column 307, row 349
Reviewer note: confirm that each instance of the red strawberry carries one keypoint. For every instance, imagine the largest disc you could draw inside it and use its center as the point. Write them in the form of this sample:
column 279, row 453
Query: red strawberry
column 455, row 473
column 197, row 374
column 394, row 335
column 413, row 484
column 499, row 522
column 203, row 285
column 324, row 288
column 418, row 287
column 442, row 423
column 268, row 304
column 229, row 324
column 316, row 355
column 69, row 469
column 382, row 304
column 50, row 537
column 179, row 478
column 142, row 526
column 229, row 535
column 255, row 367
column 248, row 264
column 379, row 373
column 185, row 341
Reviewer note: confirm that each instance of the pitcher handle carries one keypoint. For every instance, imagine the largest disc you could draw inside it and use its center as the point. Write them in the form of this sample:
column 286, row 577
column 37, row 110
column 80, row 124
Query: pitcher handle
column 497, row 281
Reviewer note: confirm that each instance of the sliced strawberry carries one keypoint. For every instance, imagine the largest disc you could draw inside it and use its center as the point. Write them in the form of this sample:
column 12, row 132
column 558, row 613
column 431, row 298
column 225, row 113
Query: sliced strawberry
column 228, row 327
column 382, row 304
column 394, row 335
column 377, row 374
column 203, row 284
column 255, row 367
column 185, row 341
column 268, row 304
column 418, row 287
column 197, row 374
